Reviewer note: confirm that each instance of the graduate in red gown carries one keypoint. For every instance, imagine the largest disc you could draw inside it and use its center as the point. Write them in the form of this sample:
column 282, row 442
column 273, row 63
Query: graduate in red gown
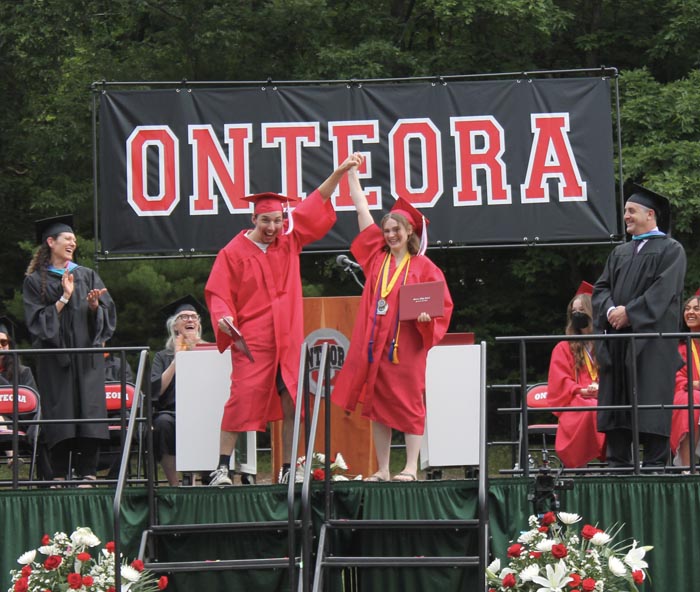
column 573, row 382
column 681, row 445
column 387, row 357
column 255, row 285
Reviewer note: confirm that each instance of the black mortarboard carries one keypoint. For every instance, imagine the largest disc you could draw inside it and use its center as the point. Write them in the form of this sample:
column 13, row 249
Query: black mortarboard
column 187, row 302
column 7, row 327
column 53, row 226
column 655, row 201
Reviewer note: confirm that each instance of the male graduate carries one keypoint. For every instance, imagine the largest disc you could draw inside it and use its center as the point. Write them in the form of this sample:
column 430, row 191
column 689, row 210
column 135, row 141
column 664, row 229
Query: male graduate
column 255, row 285
column 639, row 292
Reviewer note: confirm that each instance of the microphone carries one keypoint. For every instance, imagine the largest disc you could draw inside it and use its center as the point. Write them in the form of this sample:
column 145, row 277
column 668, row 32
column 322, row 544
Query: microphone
column 347, row 263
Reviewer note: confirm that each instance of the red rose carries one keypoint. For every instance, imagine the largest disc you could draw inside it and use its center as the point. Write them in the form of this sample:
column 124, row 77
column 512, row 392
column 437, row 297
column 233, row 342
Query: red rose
column 508, row 580
column 162, row 582
column 549, row 518
column 75, row 580
column 111, row 589
column 21, row 585
column 318, row 474
column 46, row 539
column 559, row 551
column 84, row 556
column 575, row 580
column 515, row 550
column 638, row 576
column 137, row 564
column 26, row 570
column 588, row 584
column 588, row 531
column 543, row 528
column 52, row 562
column 535, row 554
column 110, row 547
column 88, row 581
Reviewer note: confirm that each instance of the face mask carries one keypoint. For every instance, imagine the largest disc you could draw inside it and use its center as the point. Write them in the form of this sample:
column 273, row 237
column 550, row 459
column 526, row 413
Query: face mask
column 579, row 320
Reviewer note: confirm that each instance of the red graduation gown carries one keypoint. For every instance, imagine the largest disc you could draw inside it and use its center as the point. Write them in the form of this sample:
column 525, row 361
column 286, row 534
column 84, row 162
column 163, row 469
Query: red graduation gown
column 262, row 291
column 578, row 441
column 679, row 418
column 393, row 393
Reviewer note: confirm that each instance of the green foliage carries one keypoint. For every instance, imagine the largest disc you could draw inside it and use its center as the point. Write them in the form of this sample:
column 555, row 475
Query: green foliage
column 51, row 51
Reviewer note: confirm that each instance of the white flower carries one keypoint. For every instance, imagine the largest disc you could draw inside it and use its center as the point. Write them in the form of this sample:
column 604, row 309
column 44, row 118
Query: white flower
column 339, row 463
column 600, row 539
column 556, row 579
column 321, row 458
column 83, row 536
column 529, row 572
column 339, row 478
column 527, row 536
column 27, row 558
column 358, row 477
column 545, row 545
column 568, row 517
column 129, row 573
column 48, row 550
column 616, row 566
column 635, row 557
column 495, row 566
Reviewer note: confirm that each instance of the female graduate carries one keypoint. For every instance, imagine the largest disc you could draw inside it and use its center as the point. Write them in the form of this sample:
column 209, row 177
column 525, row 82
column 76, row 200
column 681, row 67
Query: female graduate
column 681, row 445
column 67, row 306
column 573, row 382
column 387, row 356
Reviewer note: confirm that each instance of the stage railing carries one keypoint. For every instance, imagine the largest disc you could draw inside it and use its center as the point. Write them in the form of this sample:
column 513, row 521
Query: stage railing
column 634, row 405
column 16, row 423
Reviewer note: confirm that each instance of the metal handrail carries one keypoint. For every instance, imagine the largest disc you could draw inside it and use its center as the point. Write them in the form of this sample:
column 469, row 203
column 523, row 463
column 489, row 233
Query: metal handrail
column 634, row 406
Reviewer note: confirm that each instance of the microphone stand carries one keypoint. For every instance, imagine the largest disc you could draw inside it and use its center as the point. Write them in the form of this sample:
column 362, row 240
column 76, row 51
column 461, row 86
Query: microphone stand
column 349, row 269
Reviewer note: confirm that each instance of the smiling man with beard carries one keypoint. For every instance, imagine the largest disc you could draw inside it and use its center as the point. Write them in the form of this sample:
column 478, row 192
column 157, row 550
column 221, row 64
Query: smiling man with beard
column 255, row 285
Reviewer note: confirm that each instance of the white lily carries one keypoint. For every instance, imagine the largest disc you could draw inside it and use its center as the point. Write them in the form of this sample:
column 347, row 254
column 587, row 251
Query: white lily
column 555, row 580
column 545, row 545
column 339, row 478
column 635, row 557
column 616, row 566
column 339, row 463
column 27, row 557
column 569, row 517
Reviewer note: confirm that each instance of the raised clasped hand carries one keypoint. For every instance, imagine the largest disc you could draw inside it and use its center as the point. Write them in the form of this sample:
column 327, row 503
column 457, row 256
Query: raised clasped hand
column 93, row 297
column 423, row 317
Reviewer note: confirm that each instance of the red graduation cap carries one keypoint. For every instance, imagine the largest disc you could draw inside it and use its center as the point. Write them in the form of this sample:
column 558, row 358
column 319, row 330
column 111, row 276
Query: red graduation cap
column 270, row 202
column 584, row 288
column 697, row 292
column 415, row 219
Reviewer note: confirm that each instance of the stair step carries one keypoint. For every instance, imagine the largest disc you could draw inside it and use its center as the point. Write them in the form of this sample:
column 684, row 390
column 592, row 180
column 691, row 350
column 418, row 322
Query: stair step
column 387, row 524
column 218, row 565
column 399, row 561
column 172, row 529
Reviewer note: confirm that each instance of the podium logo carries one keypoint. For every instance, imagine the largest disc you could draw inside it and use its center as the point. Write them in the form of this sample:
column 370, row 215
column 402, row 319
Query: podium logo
column 338, row 346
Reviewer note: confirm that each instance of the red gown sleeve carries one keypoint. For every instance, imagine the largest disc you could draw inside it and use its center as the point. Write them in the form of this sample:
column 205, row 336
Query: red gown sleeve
column 217, row 294
column 562, row 385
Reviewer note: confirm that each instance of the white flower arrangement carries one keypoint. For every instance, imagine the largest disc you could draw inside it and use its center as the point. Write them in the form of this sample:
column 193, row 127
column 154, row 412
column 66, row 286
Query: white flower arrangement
column 554, row 557
column 68, row 564
column 318, row 468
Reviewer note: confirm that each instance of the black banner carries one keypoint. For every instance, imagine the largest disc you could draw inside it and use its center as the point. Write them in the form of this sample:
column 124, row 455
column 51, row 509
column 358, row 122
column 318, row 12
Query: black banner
column 488, row 162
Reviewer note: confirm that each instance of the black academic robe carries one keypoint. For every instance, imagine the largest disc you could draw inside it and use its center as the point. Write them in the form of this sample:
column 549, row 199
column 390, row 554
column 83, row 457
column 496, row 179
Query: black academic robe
column 161, row 362
column 649, row 284
column 26, row 378
column 71, row 385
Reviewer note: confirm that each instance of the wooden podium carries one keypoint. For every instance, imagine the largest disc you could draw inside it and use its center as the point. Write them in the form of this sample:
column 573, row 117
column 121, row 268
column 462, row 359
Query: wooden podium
column 331, row 320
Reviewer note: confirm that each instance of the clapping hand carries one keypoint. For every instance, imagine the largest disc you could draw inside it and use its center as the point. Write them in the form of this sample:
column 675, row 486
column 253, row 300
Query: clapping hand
column 93, row 297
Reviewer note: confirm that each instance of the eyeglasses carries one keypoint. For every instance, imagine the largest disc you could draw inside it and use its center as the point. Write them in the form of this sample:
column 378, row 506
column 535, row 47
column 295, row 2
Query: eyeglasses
column 188, row 317
column 4, row 342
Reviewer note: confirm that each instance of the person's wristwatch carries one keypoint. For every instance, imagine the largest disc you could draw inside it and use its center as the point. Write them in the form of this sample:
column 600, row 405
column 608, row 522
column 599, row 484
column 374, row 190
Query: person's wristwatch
column 63, row 299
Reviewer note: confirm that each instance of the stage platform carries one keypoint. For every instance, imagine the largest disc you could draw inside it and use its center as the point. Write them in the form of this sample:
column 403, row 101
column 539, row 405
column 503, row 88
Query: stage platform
column 659, row 510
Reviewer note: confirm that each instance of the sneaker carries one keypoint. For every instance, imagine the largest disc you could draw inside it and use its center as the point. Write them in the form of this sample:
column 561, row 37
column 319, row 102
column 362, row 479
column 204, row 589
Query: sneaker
column 283, row 475
column 220, row 477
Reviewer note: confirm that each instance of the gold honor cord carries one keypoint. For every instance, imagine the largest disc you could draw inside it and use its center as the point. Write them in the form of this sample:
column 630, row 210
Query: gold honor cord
column 696, row 359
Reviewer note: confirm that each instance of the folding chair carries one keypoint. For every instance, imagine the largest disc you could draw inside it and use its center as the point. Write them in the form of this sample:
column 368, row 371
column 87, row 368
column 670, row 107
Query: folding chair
column 537, row 398
column 113, row 399
column 28, row 409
